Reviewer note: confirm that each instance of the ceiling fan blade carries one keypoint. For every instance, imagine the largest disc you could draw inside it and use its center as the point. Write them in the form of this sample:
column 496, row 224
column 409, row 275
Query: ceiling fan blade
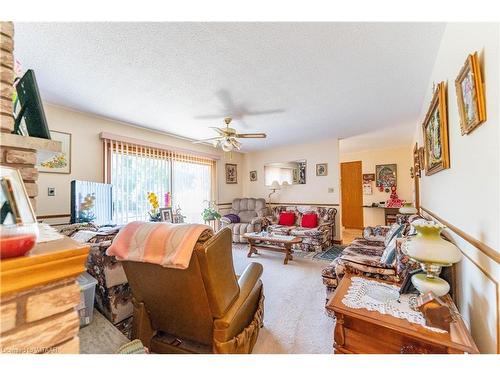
column 268, row 112
column 251, row 135
column 208, row 140
column 219, row 130
column 235, row 143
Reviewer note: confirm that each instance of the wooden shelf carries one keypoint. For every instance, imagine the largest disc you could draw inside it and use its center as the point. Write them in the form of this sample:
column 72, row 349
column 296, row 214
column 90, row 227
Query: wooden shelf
column 45, row 148
column 47, row 262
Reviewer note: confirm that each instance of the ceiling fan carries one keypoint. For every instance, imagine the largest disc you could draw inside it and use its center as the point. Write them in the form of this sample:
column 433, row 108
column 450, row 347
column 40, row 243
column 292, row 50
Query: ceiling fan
column 227, row 137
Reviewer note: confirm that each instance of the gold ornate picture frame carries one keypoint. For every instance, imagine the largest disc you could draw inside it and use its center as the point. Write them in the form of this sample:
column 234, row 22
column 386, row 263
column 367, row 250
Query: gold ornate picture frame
column 470, row 95
column 435, row 129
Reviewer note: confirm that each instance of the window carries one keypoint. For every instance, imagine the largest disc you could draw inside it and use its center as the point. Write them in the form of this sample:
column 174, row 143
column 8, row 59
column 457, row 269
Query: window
column 134, row 171
column 191, row 188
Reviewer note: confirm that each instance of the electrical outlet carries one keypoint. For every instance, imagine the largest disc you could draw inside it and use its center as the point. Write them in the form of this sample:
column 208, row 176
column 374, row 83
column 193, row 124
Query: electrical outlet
column 51, row 192
column 330, row 190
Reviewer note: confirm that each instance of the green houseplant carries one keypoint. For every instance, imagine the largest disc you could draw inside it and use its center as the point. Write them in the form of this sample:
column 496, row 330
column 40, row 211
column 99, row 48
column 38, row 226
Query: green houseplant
column 210, row 212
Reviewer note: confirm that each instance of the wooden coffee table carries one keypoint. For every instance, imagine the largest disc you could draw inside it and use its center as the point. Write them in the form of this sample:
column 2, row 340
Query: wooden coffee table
column 271, row 242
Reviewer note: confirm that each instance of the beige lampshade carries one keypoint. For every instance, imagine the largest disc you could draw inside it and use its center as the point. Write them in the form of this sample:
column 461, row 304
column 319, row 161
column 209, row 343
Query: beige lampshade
column 275, row 185
column 429, row 247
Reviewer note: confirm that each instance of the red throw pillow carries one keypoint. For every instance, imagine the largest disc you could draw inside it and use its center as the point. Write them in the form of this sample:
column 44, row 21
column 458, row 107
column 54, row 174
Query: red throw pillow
column 309, row 221
column 287, row 218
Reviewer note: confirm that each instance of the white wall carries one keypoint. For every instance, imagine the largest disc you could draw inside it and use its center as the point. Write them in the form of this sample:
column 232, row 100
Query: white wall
column 402, row 156
column 87, row 156
column 467, row 194
column 316, row 188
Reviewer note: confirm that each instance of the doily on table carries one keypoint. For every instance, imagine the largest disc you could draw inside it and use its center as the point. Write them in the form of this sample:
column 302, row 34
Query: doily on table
column 384, row 298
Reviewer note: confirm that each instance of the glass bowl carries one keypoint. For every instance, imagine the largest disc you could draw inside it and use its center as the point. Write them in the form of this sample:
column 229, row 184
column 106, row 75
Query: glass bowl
column 17, row 239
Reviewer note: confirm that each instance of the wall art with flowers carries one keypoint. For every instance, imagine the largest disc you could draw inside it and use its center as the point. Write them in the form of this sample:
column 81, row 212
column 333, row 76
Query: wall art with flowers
column 60, row 162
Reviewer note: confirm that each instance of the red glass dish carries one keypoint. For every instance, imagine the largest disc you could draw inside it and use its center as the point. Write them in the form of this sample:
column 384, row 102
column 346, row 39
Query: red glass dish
column 17, row 240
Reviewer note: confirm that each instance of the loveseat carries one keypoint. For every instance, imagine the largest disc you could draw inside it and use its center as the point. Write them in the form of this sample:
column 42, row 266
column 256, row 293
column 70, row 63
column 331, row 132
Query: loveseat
column 314, row 238
column 250, row 213
column 377, row 254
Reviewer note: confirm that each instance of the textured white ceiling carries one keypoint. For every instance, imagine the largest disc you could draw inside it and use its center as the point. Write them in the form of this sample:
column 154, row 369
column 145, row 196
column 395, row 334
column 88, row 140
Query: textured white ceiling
column 316, row 80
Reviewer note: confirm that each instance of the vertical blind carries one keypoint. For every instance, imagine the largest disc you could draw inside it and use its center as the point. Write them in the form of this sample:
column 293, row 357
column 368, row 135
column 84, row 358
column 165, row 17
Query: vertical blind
column 134, row 170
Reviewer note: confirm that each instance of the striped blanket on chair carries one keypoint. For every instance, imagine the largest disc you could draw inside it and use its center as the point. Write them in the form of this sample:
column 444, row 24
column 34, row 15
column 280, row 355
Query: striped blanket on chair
column 169, row 245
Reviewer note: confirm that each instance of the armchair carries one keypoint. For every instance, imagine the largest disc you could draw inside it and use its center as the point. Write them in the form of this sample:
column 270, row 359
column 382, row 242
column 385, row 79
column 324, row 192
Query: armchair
column 205, row 308
column 251, row 211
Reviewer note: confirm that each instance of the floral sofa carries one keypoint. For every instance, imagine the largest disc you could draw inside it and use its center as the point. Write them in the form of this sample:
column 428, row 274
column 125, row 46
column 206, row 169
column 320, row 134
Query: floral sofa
column 377, row 255
column 113, row 297
column 315, row 239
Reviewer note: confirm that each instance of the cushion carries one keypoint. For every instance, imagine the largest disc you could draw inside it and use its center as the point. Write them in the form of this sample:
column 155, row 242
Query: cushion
column 389, row 254
column 247, row 216
column 287, row 218
column 309, row 220
column 394, row 231
column 233, row 218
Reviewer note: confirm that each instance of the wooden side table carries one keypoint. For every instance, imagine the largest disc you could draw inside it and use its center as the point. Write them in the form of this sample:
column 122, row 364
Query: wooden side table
column 360, row 331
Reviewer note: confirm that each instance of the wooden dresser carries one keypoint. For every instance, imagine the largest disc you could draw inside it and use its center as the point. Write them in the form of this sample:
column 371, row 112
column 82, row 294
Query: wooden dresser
column 39, row 294
column 360, row 331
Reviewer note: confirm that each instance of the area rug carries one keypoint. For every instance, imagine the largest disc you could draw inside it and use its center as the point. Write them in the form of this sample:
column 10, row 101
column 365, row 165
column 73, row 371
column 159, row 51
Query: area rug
column 326, row 256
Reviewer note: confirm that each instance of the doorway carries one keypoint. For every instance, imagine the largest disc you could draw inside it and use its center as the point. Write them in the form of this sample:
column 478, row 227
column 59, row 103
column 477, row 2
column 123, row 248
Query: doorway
column 351, row 183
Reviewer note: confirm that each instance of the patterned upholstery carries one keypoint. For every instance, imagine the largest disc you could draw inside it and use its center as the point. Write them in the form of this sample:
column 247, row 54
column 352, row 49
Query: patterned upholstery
column 362, row 257
column 313, row 239
column 112, row 296
column 252, row 212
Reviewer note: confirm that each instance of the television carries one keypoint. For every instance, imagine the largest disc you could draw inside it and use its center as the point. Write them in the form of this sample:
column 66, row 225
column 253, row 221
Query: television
column 31, row 108
column 91, row 201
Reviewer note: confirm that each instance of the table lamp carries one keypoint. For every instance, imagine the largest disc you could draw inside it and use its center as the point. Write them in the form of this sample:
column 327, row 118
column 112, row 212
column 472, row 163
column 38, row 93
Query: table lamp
column 274, row 187
column 432, row 252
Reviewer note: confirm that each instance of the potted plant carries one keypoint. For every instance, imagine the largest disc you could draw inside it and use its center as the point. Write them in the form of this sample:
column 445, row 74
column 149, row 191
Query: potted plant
column 154, row 212
column 210, row 212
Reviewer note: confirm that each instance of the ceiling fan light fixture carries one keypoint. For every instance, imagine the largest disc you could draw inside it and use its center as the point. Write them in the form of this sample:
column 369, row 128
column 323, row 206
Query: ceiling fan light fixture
column 227, row 146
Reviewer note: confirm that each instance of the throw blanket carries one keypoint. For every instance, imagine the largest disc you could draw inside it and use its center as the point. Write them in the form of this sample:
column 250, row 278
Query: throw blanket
column 169, row 245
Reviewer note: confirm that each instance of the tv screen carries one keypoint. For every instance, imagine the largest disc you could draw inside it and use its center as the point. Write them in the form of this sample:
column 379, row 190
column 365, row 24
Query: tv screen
column 91, row 202
column 31, row 107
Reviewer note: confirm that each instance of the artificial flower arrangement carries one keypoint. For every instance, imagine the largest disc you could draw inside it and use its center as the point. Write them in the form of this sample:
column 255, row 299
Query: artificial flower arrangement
column 85, row 213
column 210, row 212
column 154, row 212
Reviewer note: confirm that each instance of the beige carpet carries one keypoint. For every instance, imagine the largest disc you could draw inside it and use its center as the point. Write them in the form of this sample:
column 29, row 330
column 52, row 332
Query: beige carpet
column 294, row 317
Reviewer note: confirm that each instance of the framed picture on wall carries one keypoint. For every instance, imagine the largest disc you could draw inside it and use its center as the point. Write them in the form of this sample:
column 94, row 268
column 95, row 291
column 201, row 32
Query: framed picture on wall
column 470, row 95
column 435, row 129
column 322, row 169
column 386, row 175
column 61, row 162
column 231, row 173
column 253, row 175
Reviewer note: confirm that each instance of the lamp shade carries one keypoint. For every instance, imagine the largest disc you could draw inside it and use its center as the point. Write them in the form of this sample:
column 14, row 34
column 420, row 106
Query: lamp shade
column 275, row 185
column 429, row 247
column 408, row 209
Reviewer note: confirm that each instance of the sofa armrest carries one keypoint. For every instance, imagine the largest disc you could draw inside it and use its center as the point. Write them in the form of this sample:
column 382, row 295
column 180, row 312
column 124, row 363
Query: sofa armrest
column 236, row 318
column 225, row 221
column 376, row 233
column 257, row 220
